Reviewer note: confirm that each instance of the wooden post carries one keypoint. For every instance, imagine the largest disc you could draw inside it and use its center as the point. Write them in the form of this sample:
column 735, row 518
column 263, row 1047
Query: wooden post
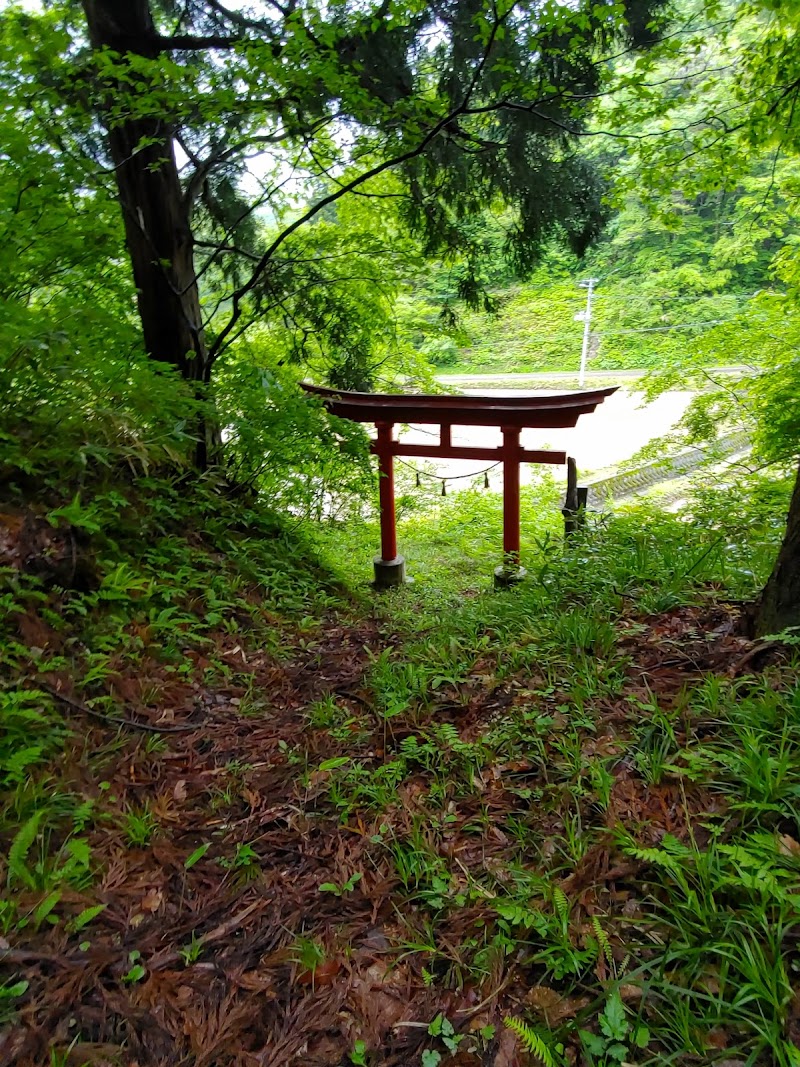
column 510, row 572
column 570, row 509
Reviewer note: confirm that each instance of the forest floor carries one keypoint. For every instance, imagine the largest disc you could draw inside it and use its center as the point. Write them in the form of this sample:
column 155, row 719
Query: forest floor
column 492, row 836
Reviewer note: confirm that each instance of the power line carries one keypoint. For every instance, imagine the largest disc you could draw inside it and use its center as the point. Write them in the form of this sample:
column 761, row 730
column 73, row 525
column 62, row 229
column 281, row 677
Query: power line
column 662, row 329
column 549, row 337
column 605, row 297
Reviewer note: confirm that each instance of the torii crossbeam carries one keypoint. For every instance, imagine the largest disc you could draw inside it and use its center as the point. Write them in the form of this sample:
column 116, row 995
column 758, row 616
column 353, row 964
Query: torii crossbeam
column 511, row 414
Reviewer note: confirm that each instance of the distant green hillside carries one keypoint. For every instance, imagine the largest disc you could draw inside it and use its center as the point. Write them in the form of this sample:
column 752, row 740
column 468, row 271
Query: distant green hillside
column 535, row 327
column 670, row 286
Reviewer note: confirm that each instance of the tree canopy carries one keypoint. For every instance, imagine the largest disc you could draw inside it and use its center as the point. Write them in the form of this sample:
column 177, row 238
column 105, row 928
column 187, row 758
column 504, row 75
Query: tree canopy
column 228, row 131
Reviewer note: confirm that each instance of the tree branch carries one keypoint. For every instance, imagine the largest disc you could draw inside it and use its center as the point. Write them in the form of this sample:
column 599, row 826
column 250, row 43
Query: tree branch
column 187, row 42
column 204, row 167
column 372, row 172
column 786, row 91
column 226, row 248
column 238, row 19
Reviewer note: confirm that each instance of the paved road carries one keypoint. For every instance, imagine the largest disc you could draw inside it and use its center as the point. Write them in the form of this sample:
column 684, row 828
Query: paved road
column 558, row 375
column 620, row 426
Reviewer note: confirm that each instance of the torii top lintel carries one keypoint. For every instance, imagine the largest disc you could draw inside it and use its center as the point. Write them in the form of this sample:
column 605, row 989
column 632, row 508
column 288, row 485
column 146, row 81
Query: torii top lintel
column 510, row 413
column 560, row 410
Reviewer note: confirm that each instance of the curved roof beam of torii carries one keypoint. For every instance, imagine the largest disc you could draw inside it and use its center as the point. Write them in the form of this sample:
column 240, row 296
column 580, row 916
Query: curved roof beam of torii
column 561, row 410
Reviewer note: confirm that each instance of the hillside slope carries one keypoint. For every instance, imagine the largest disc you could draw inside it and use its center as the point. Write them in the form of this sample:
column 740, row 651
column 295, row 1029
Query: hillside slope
column 249, row 817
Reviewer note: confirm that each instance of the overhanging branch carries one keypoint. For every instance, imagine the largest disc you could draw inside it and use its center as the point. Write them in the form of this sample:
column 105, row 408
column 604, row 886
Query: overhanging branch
column 187, row 42
column 355, row 183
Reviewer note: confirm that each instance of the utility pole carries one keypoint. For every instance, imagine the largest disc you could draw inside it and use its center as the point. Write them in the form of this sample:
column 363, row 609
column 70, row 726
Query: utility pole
column 586, row 318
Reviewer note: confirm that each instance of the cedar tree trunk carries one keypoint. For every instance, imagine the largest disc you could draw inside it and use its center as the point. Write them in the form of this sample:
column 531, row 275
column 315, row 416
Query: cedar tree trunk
column 779, row 604
column 158, row 232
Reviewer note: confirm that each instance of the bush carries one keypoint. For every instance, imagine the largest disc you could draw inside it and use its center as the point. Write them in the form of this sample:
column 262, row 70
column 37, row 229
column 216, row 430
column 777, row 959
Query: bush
column 441, row 351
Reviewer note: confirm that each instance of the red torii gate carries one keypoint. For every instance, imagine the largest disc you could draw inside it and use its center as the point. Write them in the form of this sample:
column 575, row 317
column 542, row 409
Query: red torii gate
column 510, row 414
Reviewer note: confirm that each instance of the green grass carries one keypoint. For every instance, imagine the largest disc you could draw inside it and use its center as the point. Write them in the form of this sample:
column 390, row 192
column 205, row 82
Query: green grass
column 535, row 329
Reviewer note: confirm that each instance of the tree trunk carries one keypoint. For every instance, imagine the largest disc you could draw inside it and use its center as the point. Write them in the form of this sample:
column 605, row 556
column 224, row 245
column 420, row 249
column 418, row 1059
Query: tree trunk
column 778, row 607
column 158, row 232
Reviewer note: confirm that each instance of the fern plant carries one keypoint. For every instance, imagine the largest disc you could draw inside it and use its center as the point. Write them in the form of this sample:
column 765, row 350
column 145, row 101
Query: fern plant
column 30, row 733
column 42, row 870
column 18, row 869
column 535, row 1043
column 562, row 907
column 604, row 950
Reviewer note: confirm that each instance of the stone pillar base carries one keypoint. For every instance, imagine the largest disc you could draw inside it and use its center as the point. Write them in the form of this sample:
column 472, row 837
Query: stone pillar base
column 389, row 572
column 505, row 577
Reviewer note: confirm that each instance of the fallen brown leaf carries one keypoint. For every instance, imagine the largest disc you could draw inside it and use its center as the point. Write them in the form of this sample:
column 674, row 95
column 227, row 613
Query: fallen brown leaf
column 152, row 900
column 787, row 846
column 507, row 1054
column 552, row 1006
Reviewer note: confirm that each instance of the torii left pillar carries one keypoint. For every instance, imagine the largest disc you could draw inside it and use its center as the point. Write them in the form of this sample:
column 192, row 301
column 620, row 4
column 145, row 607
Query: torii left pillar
column 389, row 567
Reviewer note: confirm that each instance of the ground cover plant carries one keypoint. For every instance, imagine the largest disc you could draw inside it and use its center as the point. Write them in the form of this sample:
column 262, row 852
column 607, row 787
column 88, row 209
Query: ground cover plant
column 251, row 815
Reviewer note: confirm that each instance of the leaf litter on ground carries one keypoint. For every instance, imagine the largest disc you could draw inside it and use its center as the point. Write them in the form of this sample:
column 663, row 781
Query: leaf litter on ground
column 486, row 840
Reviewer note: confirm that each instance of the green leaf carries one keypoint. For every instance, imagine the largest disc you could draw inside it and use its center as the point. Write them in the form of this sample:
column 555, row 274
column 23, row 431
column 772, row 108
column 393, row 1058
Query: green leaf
column 20, row 846
column 593, row 1044
column 74, row 514
column 613, row 1020
column 15, row 990
column 46, row 906
column 435, row 1027
column 431, row 1058
column 617, row 1051
column 332, row 764
column 196, row 856
column 78, row 848
column 641, row 1036
column 86, row 916
column 358, row 1056
column 531, row 1040
column 135, row 974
